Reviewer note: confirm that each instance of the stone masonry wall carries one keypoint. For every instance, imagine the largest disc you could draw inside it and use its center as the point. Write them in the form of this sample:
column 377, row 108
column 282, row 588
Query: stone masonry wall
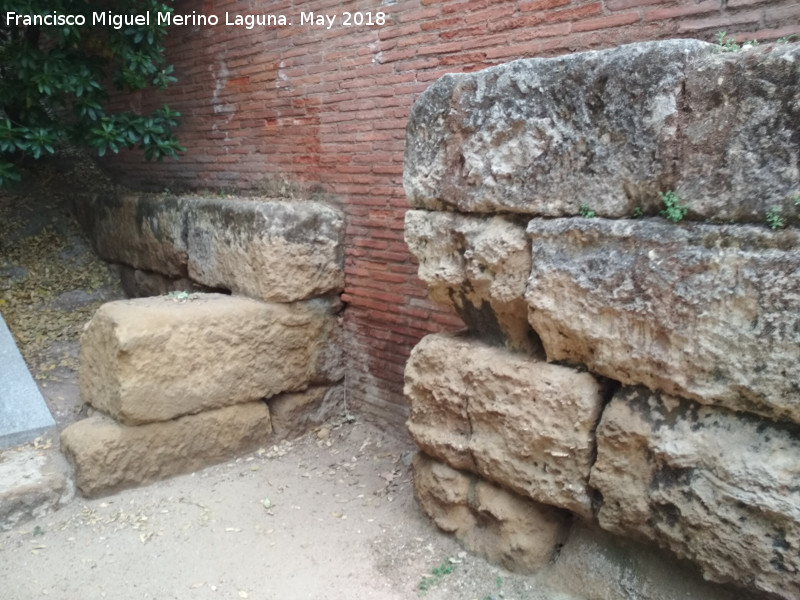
column 182, row 379
column 327, row 108
column 620, row 232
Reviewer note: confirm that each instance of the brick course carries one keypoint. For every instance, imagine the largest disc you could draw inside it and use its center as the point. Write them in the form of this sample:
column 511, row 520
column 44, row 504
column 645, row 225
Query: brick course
column 328, row 109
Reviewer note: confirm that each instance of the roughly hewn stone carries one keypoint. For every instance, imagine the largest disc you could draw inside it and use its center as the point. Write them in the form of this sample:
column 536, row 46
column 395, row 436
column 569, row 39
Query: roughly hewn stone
column 610, row 129
column 141, row 284
column 740, row 149
column 515, row 420
column 707, row 312
column 154, row 359
column 109, row 456
column 713, row 486
column 505, row 528
column 268, row 249
column 143, row 231
column 294, row 414
column 479, row 267
column 543, row 136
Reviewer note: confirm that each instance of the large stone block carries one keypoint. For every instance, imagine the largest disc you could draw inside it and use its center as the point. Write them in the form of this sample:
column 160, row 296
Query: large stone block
column 143, row 231
column 477, row 266
column 714, row 486
column 154, row 359
column 505, row 528
column 522, row 423
column 268, row 249
column 710, row 313
column 543, row 136
column 740, row 146
column 109, row 456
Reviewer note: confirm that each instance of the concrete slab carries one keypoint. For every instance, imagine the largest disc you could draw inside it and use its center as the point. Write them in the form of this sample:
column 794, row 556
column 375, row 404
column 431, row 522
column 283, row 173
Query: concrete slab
column 23, row 412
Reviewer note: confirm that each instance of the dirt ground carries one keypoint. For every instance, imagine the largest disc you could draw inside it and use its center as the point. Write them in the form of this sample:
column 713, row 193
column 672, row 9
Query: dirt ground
column 315, row 518
column 329, row 516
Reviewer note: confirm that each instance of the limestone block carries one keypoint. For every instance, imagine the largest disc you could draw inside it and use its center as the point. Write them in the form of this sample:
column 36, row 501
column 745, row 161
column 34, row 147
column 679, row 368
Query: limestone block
column 714, row 486
column 543, row 136
column 294, row 414
column 154, row 359
column 143, row 231
column 740, row 150
column 478, row 267
column 710, row 313
column 505, row 528
column 520, row 422
column 109, row 456
column 268, row 249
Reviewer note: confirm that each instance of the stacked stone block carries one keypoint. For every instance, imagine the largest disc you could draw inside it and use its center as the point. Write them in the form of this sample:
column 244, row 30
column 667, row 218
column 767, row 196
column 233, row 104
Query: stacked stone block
column 182, row 380
column 639, row 373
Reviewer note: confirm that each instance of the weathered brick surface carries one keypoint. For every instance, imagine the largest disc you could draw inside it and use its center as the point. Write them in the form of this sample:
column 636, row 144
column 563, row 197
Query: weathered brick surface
column 330, row 107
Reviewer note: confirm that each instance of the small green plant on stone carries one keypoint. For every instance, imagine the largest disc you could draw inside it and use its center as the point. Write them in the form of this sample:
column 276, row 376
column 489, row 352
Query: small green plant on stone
column 786, row 39
column 637, row 212
column 673, row 209
column 586, row 212
column 726, row 44
column 775, row 219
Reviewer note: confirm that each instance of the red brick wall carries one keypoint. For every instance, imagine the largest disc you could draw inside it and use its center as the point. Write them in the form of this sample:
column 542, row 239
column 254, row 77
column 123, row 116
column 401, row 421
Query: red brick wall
column 330, row 106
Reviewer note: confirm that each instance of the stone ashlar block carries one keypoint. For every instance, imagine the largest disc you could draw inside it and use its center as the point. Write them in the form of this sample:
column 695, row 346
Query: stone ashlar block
column 543, row 136
column 740, row 147
column 517, row 421
column 155, row 359
column 610, row 130
column 706, row 312
column 109, row 456
column 272, row 250
column 501, row 526
column 713, row 486
column 479, row 267
column 143, row 231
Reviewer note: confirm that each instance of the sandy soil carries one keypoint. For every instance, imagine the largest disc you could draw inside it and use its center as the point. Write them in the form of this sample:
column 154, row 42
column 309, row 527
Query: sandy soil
column 328, row 516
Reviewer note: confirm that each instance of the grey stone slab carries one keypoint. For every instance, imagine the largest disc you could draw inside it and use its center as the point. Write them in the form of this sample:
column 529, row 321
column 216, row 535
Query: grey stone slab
column 33, row 483
column 23, row 412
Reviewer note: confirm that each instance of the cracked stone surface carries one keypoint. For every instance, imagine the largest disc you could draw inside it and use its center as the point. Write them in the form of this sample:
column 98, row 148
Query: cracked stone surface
column 515, row 420
column 714, row 486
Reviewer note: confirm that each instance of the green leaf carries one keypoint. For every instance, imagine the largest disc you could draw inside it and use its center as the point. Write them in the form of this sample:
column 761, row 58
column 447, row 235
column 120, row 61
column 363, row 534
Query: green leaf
column 56, row 89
